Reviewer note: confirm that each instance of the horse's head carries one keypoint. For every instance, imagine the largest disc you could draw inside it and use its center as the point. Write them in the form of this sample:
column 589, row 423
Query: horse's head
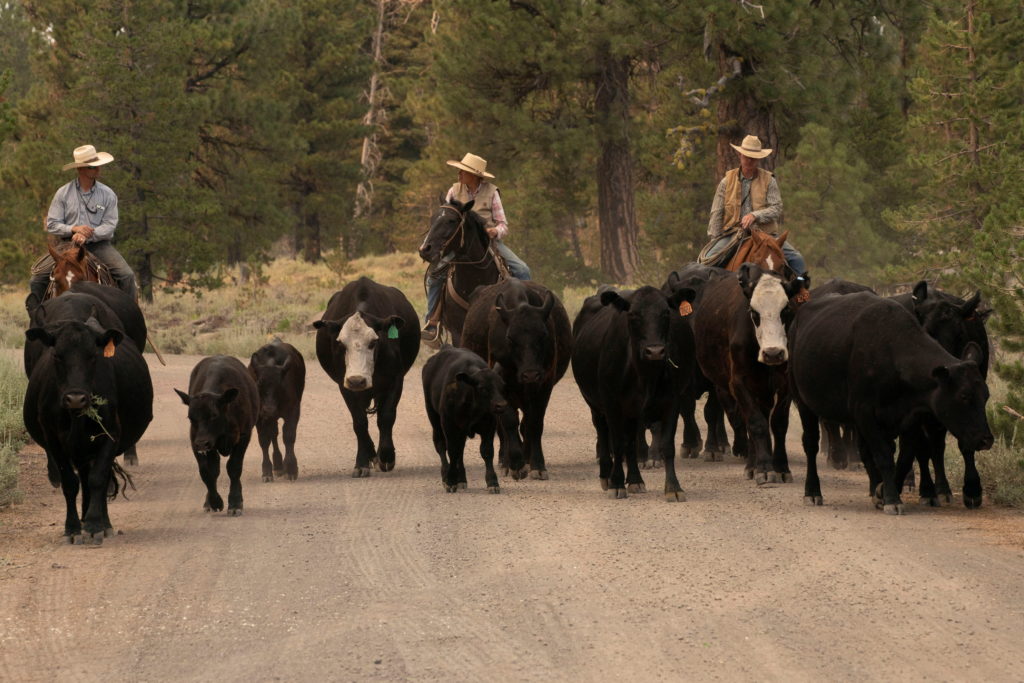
column 766, row 251
column 69, row 265
column 453, row 228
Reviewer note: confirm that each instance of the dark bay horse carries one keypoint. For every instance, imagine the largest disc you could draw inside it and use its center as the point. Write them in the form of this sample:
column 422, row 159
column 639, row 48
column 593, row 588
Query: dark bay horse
column 457, row 235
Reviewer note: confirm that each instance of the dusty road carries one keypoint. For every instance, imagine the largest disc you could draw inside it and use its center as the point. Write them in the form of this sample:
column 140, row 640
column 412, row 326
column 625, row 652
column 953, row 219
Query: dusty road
column 333, row 578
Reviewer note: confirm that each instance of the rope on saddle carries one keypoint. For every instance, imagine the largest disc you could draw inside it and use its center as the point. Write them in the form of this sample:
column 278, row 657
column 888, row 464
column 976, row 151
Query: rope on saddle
column 714, row 254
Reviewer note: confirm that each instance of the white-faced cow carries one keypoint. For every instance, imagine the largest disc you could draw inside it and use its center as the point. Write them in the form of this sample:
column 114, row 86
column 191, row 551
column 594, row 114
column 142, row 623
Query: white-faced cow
column 863, row 360
column 89, row 398
column 280, row 375
column 223, row 404
column 366, row 341
column 465, row 397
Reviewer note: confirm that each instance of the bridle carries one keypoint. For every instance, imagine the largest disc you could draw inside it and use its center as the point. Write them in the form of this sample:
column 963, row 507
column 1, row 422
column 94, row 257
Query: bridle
column 460, row 232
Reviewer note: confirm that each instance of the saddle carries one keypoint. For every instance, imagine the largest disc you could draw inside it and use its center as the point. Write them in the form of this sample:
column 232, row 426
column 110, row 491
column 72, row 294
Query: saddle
column 720, row 250
column 503, row 274
column 46, row 263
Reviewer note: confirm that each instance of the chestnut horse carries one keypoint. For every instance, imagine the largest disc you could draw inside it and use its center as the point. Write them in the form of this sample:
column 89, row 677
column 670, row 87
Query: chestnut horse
column 72, row 263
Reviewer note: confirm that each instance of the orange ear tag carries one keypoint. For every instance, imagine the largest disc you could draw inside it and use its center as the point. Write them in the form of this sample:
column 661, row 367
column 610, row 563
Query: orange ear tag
column 685, row 309
column 108, row 350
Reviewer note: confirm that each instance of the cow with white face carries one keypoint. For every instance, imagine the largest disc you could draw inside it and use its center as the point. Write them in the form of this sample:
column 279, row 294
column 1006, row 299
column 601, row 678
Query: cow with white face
column 740, row 328
column 367, row 340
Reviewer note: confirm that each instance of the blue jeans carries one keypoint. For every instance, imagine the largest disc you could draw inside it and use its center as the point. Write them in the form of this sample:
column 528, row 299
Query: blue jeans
column 437, row 274
column 793, row 257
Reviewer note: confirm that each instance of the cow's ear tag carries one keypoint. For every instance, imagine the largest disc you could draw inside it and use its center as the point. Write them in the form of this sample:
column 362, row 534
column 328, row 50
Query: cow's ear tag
column 685, row 309
column 108, row 350
column 392, row 332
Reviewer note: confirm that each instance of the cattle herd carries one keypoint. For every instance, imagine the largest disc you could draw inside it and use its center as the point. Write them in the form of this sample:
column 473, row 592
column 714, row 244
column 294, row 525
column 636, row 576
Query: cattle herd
column 868, row 370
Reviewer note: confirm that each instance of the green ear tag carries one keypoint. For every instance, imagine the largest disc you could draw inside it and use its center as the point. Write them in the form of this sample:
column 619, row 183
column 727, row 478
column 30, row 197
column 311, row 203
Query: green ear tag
column 392, row 332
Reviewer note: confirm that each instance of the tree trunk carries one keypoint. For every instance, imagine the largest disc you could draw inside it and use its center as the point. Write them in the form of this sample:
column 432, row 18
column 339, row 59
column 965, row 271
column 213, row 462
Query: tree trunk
column 616, row 212
column 739, row 115
column 311, row 247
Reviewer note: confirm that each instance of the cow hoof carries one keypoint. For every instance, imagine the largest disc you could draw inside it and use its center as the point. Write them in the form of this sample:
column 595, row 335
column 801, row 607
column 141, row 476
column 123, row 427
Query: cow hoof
column 813, row 500
column 719, row 456
column 604, row 484
column 360, row 472
column 95, row 538
column 893, row 509
column 213, row 505
column 292, row 476
column 235, row 512
column 268, row 477
column 674, row 496
column 636, row 488
column 462, row 486
column 972, row 502
column 908, row 488
column 947, row 499
column 131, row 459
column 494, row 489
column 930, row 502
column 519, row 474
column 110, row 533
column 709, row 455
column 748, row 473
column 539, row 474
column 645, row 465
column 451, row 488
column 386, row 466
column 786, row 477
column 616, row 494
column 73, row 539
column 762, row 478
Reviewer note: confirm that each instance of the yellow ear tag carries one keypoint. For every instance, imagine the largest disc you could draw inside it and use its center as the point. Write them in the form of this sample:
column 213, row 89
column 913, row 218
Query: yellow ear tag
column 685, row 309
column 108, row 350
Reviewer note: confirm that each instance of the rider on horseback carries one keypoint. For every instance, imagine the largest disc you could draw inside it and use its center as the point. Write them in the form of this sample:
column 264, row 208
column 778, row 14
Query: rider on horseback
column 749, row 196
column 472, row 185
column 84, row 212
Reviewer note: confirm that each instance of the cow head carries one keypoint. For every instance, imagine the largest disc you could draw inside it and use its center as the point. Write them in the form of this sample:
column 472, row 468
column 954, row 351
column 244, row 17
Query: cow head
column 77, row 350
column 210, row 429
column 529, row 340
column 770, row 310
column 362, row 335
column 648, row 314
column 959, row 398
column 950, row 320
column 488, row 390
column 269, row 366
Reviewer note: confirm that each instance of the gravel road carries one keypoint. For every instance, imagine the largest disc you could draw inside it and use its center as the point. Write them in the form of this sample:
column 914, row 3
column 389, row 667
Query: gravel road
column 334, row 578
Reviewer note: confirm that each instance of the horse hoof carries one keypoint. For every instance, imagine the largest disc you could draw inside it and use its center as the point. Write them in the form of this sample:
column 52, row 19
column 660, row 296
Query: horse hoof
column 616, row 494
column 893, row 509
column 675, row 496
column 813, row 500
column 494, row 489
column 539, row 474
column 359, row 472
column 268, row 477
column 604, row 484
column 636, row 488
column 972, row 502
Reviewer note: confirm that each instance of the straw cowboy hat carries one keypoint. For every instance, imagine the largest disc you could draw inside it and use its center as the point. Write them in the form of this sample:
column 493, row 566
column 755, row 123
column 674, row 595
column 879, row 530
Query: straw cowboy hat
column 86, row 155
column 751, row 147
column 473, row 164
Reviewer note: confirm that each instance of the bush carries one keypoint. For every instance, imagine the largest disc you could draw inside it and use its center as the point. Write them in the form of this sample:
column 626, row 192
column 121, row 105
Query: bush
column 12, row 429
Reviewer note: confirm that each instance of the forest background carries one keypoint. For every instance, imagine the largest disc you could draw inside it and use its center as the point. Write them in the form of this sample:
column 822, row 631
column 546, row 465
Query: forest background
column 320, row 128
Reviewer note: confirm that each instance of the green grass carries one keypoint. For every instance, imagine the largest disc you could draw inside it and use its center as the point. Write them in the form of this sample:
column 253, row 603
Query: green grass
column 12, row 429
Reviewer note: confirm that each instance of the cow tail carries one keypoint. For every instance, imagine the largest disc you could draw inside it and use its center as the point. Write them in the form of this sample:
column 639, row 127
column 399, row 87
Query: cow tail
column 120, row 480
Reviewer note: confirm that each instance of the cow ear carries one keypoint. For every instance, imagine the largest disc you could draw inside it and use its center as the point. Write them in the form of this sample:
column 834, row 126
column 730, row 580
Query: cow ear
column 110, row 337
column 612, row 297
column 549, row 303
column 972, row 352
column 182, row 395
column 673, row 280
column 680, row 295
column 396, row 321
column 920, row 292
column 466, row 379
column 793, row 287
column 499, row 306
column 941, row 373
column 331, row 326
column 747, row 276
column 970, row 306
column 228, row 396
column 39, row 334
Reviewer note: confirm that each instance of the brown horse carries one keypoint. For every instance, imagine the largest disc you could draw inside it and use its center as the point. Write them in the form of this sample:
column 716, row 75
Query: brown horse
column 762, row 249
column 71, row 264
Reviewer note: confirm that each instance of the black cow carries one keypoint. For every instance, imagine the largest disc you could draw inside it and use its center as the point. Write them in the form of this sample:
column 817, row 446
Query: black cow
column 620, row 362
column 523, row 327
column 89, row 398
column 464, row 397
column 740, row 329
column 280, row 375
column 862, row 360
column 367, row 340
column 954, row 323
column 223, row 405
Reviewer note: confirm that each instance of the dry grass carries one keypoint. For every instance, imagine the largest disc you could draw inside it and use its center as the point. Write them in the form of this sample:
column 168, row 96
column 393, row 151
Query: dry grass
column 12, row 430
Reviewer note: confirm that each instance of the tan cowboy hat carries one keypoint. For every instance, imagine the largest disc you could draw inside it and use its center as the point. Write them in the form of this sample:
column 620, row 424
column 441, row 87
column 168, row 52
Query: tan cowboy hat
column 474, row 164
column 86, row 155
column 751, row 147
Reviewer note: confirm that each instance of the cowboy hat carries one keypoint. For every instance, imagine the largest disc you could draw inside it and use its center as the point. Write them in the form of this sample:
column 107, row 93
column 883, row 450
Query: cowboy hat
column 86, row 155
column 473, row 164
column 751, row 147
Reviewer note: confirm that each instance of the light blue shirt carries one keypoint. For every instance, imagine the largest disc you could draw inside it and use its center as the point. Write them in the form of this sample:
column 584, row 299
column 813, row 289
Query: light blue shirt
column 96, row 208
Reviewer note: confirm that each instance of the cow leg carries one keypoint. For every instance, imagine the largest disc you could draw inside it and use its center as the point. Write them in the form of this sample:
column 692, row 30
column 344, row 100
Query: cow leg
column 646, row 454
column 604, row 460
column 234, row 469
column 972, row 482
column 69, row 484
column 487, row 429
column 437, row 436
column 534, row 408
column 455, row 476
column 357, row 404
column 810, row 440
column 387, row 413
column 692, row 443
column 937, row 455
column 289, row 430
column 96, row 478
column 278, row 456
column 780, row 427
column 740, row 446
column 664, row 438
column 832, row 445
column 209, row 470
column 266, row 434
column 914, row 446
column 621, row 439
column 881, row 451
column 714, row 418
column 634, row 433
column 511, row 446
column 759, row 462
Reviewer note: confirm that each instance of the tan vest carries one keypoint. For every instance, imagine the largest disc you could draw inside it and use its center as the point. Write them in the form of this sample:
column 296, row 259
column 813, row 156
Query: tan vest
column 758, row 194
column 481, row 202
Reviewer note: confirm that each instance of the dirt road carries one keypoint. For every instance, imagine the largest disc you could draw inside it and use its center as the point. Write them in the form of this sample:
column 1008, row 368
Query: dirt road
column 333, row 578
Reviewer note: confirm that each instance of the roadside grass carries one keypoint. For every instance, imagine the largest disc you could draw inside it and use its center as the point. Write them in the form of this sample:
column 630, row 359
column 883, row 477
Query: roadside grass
column 12, row 429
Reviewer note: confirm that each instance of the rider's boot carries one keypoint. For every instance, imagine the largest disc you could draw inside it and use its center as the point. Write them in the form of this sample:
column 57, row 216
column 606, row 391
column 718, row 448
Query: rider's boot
column 431, row 332
column 804, row 294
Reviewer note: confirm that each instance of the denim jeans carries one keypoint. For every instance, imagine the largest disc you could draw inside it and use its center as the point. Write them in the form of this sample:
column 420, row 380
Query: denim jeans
column 793, row 257
column 436, row 277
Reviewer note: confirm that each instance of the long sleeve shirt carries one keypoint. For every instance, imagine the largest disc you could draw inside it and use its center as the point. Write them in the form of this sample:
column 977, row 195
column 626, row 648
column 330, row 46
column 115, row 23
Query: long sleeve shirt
column 770, row 213
column 96, row 208
column 497, row 211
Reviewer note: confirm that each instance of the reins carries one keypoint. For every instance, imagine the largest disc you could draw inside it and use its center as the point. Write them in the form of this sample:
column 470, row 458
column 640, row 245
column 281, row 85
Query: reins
column 460, row 232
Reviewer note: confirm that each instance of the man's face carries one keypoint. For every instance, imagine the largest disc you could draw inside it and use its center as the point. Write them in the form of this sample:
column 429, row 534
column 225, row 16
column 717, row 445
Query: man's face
column 748, row 165
column 90, row 172
column 468, row 179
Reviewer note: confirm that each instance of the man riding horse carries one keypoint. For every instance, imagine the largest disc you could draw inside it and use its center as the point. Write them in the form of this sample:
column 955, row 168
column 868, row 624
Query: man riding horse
column 84, row 213
column 747, row 198
column 472, row 185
